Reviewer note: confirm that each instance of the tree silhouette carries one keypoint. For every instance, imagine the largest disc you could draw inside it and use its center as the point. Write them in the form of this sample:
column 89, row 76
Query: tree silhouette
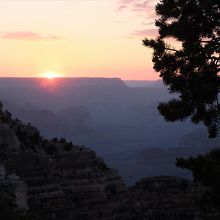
column 190, row 68
column 205, row 170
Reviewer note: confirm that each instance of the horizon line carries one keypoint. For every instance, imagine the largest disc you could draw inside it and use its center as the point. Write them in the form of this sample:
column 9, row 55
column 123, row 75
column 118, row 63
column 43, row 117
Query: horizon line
column 73, row 77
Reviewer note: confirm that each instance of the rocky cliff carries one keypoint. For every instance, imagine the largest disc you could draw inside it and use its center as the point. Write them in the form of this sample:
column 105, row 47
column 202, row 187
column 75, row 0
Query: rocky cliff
column 57, row 180
column 54, row 179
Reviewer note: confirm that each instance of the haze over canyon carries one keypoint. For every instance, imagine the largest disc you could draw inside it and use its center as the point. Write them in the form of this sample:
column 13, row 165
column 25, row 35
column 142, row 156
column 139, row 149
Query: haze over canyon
column 118, row 119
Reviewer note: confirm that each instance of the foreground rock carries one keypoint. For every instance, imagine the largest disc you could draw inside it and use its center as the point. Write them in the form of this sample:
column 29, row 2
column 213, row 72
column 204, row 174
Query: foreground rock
column 54, row 181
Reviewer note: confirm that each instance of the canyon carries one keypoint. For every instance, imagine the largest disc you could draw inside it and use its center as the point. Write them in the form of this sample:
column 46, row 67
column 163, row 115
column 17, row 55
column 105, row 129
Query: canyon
column 55, row 179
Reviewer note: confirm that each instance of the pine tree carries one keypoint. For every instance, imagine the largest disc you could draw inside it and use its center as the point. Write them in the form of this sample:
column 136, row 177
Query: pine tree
column 190, row 69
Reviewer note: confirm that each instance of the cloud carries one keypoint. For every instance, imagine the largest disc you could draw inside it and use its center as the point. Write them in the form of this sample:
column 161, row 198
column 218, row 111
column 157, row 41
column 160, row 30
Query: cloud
column 144, row 10
column 137, row 5
column 30, row 36
column 141, row 8
column 121, row 7
column 152, row 33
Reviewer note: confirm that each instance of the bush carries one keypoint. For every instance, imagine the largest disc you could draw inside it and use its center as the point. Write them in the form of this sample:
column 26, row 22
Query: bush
column 67, row 146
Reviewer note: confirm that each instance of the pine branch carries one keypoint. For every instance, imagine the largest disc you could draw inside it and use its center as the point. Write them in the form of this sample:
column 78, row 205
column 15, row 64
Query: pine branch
column 171, row 49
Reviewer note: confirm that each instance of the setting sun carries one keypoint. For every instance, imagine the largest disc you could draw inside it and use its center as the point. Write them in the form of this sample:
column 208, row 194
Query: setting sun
column 51, row 75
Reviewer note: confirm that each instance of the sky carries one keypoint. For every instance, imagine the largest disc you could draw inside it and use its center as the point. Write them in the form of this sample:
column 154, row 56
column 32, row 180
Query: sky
column 77, row 38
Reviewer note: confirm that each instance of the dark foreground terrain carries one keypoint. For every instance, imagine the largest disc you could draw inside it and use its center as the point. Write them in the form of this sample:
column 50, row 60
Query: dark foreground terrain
column 54, row 179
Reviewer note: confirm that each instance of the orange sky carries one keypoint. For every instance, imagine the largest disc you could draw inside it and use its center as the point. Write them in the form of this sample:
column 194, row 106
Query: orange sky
column 76, row 38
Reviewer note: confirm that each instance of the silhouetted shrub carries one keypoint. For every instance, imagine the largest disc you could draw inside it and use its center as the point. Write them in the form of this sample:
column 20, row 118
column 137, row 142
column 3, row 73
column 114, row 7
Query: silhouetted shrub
column 50, row 149
column 67, row 146
column 62, row 140
column 205, row 170
column 55, row 140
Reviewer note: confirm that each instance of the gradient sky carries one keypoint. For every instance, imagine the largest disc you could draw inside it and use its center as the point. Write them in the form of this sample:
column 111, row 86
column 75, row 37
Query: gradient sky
column 76, row 38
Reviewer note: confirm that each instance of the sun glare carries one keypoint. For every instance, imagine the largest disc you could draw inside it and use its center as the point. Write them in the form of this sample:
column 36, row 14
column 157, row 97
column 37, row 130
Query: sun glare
column 51, row 75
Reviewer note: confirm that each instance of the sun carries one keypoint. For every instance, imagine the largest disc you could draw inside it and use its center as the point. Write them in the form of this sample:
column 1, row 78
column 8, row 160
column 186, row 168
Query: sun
column 51, row 75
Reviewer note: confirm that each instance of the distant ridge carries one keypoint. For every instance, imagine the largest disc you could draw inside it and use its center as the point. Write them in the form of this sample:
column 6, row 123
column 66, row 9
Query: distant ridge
column 80, row 81
column 144, row 83
column 89, row 81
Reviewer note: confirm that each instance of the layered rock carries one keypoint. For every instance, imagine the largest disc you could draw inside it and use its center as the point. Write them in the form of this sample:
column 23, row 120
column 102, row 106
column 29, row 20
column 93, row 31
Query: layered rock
column 167, row 198
column 8, row 137
column 55, row 179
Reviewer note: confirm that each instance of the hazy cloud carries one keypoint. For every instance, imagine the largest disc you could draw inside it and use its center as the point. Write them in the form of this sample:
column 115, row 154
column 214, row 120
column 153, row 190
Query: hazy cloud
column 152, row 33
column 142, row 8
column 137, row 5
column 121, row 7
column 31, row 36
column 145, row 10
